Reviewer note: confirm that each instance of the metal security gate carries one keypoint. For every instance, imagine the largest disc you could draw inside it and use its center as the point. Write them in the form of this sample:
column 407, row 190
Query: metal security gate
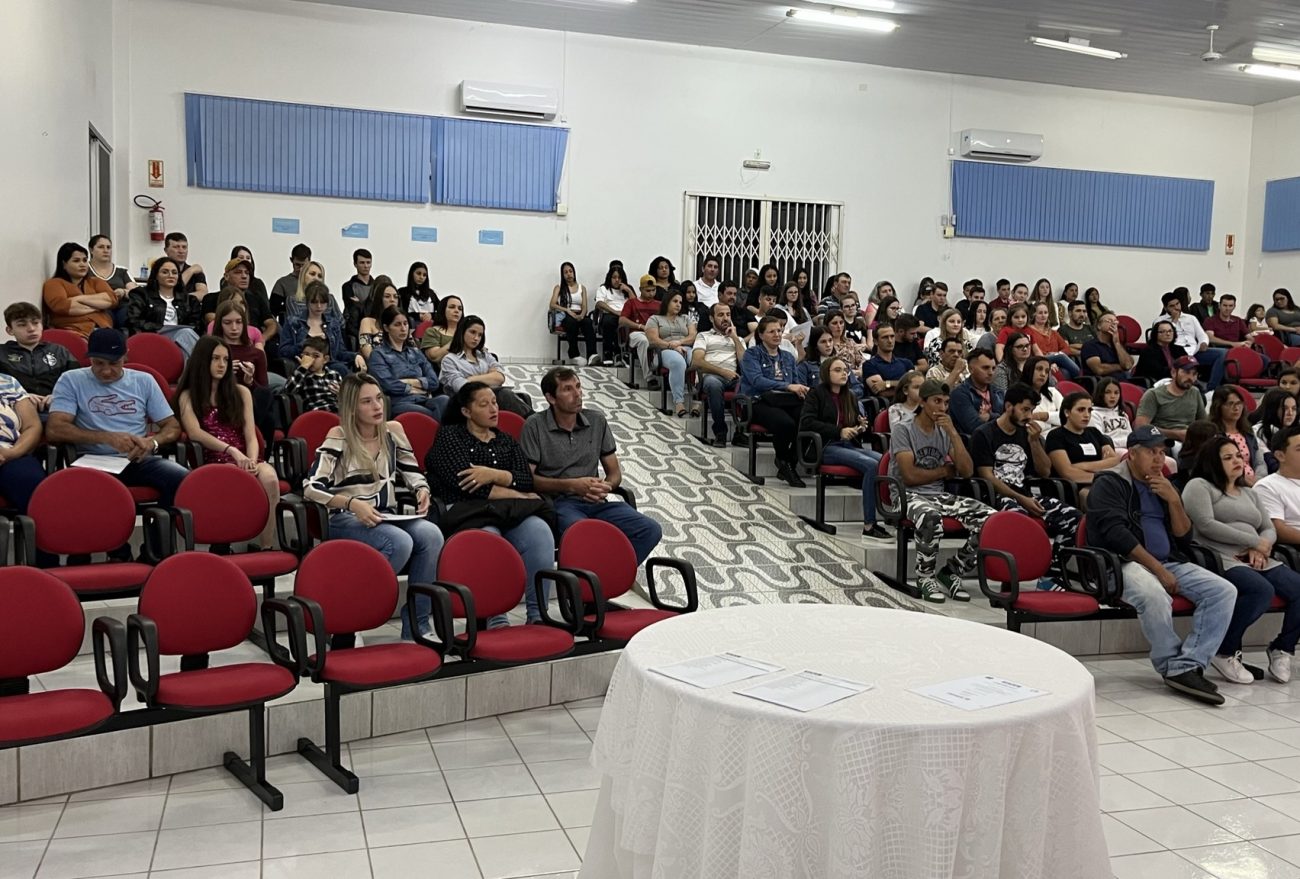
column 747, row 233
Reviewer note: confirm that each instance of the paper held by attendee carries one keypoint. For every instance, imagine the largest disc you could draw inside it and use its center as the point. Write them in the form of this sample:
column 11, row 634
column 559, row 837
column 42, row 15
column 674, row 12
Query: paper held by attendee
column 108, row 463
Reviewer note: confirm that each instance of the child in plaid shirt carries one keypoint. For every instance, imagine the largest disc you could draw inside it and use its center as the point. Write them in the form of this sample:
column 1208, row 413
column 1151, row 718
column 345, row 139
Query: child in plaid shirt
column 318, row 387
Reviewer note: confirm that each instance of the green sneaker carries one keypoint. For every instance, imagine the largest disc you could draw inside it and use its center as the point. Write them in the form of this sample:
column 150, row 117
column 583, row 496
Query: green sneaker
column 931, row 590
column 951, row 583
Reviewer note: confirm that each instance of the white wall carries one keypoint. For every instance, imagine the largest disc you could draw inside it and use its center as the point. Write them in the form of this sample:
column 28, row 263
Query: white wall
column 1276, row 130
column 56, row 80
column 650, row 121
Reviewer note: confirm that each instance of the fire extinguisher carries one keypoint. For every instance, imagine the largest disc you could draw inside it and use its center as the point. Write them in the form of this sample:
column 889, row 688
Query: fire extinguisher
column 157, row 228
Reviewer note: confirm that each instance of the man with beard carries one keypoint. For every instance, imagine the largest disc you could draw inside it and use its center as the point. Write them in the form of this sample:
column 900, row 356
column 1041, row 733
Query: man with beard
column 1173, row 406
column 716, row 357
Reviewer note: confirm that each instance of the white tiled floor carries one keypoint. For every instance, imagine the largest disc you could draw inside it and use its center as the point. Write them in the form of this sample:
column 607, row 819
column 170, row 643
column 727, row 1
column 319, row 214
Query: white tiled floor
column 1187, row 791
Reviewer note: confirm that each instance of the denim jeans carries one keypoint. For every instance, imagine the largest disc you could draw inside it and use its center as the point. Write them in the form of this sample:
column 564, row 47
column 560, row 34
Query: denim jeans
column 184, row 337
column 675, row 363
column 425, row 405
column 161, row 474
column 1214, row 598
column 866, row 462
column 1255, row 590
column 1066, row 364
column 1216, row 359
column 643, row 532
column 415, row 540
column 533, row 540
column 714, row 387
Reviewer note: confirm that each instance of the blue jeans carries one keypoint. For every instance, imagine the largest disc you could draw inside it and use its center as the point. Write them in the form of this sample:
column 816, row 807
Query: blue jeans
column 415, row 540
column 1066, row 364
column 643, row 532
column 866, row 462
column 161, row 474
column 675, row 363
column 184, row 337
column 425, row 405
column 533, row 540
column 1255, row 590
column 714, row 387
column 1216, row 359
column 1214, row 598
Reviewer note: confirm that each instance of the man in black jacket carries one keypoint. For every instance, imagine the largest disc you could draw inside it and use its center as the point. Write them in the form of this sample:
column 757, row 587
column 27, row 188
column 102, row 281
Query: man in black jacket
column 1133, row 510
column 36, row 364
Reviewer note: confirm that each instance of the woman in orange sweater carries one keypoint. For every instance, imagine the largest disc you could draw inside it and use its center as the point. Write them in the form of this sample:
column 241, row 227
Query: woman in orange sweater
column 76, row 299
column 1049, row 341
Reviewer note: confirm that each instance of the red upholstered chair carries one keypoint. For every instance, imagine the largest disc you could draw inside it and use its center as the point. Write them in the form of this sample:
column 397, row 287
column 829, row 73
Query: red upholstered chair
column 74, row 343
column 421, row 430
column 296, row 453
column 1131, row 394
column 1068, row 387
column 1266, row 343
column 1015, row 551
column 196, row 603
column 158, row 352
column 727, row 399
column 812, row 448
column 104, row 522
column 1244, row 366
column 485, row 577
column 40, row 631
column 326, row 588
column 1130, row 332
column 510, row 423
column 421, row 329
column 743, row 410
column 602, row 558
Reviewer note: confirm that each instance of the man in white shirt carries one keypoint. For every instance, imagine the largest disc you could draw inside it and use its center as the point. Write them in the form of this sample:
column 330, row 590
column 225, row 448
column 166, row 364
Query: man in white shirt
column 716, row 359
column 706, row 287
column 1191, row 336
column 1280, row 492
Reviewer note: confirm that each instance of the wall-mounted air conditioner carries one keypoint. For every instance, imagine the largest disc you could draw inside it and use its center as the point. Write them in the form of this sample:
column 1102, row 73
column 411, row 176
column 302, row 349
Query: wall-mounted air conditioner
column 1002, row 146
column 538, row 103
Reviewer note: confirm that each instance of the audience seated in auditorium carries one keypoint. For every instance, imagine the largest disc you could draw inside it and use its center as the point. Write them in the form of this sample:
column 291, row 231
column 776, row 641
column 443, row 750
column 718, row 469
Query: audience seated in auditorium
column 1106, row 355
column 1069, row 296
column 1198, row 434
column 1017, row 322
column 923, row 453
column 370, row 329
column 1230, row 520
column 318, row 323
column 160, row 306
column 610, row 298
column 437, row 338
column 1075, row 329
column 706, row 285
column 102, row 266
column 1003, row 297
column 356, row 289
column 1107, row 415
column 20, row 434
column 881, row 372
column 664, row 274
column 257, row 308
column 1206, row 308
column 977, row 324
column 949, row 363
column 36, row 364
column 1225, row 329
column 256, row 286
column 1256, row 319
column 832, row 411
column 77, row 300
column 634, row 317
column 565, row 445
column 809, row 369
column 1191, row 336
column 797, row 316
column 106, row 409
column 468, row 359
column 1038, row 375
column 1156, row 360
column 1280, row 491
column 672, row 335
column 1275, row 414
column 247, row 361
column 887, row 312
column 568, row 312
column 406, row 376
column 1017, row 351
column 1042, row 295
column 193, row 280
column 1175, row 404
column 936, row 301
column 1228, row 413
column 1077, row 449
column 312, row 380
column 907, row 399
column 768, row 378
column 716, row 359
column 418, row 298
column 844, row 346
column 284, row 289
column 1289, row 380
column 951, row 325
column 976, row 401
column 1048, row 341
column 1284, row 318
column 837, row 287
column 473, row 462
column 1092, row 299
column 691, row 308
column 907, row 341
column 217, row 413
column 355, row 476
column 296, row 305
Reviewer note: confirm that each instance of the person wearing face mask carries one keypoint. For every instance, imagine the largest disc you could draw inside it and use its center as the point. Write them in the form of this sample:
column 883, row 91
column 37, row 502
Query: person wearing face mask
column 161, row 307
column 716, row 359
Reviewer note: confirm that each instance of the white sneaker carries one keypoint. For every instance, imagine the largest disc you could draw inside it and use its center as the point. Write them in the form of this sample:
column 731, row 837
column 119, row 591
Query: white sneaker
column 577, row 361
column 1279, row 666
column 1231, row 669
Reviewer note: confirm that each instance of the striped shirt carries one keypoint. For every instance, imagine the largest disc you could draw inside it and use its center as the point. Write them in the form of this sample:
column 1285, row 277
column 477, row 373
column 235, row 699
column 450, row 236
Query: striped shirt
column 333, row 475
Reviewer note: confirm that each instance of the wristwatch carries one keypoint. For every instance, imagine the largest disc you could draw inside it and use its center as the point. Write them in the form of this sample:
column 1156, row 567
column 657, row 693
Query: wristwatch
column 155, row 447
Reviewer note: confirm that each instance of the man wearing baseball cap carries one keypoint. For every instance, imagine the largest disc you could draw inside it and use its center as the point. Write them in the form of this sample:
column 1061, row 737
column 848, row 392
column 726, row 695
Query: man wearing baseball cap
column 1134, row 511
column 1174, row 405
column 239, row 275
column 636, row 312
column 923, row 453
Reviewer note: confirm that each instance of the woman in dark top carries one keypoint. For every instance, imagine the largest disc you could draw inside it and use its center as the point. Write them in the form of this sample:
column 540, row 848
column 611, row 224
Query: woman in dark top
column 1275, row 413
column 256, row 286
column 474, row 460
column 803, row 280
column 418, row 299
column 247, row 361
column 162, row 306
column 1078, row 450
column 406, row 375
column 691, row 305
column 832, row 411
column 1156, row 361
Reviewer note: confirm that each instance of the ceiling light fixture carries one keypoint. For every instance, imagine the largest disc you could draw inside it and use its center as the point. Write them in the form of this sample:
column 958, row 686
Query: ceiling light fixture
column 844, row 18
column 1291, row 73
column 1275, row 55
column 1066, row 27
column 870, row 5
column 1079, row 46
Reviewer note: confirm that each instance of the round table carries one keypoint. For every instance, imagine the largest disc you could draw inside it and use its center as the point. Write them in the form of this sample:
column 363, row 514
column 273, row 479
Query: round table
column 706, row 784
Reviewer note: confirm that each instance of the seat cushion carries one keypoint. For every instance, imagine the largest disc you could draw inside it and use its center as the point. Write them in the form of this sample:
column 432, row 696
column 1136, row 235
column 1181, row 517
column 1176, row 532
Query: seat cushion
column 1182, row 605
column 621, row 625
column 258, row 565
column 225, row 686
column 951, row 527
column 758, row 429
column 1278, row 603
column 839, row 470
column 55, row 714
column 143, row 495
column 104, row 577
column 521, row 644
column 1062, row 604
column 380, row 664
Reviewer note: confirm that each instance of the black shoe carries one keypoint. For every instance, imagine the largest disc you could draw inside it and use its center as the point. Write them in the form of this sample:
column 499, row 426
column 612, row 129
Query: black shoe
column 1255, row 671
column 877, row 532
column 1193, row 683
column 720, row 442
column 740, row 439
column 789, row 475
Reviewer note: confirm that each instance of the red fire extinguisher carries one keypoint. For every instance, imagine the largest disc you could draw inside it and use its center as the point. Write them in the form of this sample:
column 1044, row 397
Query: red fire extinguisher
column 157, row 228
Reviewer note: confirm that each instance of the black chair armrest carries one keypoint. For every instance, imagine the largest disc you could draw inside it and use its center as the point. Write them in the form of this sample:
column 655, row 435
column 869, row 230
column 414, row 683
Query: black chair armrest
column 810, row 441
column 300, row 540
column 110, row 632
column 1288, row 555
column 141, row 628
column 1047, row 486
column 160, row 526
column 50, row 458
column 466, row 599
column 1205, row 557
column 975, row 487
column 687, row 570
column 289, row 458
column 1090, row 575
column 318, row 515
column 597, row 603
column 24, row 540
column 1004, row 598
column 440, row 614
column 894, row 511
column 742, row 407
column 567, row 593
column 308, row 609
column 627, row 494
column 1112, row 567
column 294, row 659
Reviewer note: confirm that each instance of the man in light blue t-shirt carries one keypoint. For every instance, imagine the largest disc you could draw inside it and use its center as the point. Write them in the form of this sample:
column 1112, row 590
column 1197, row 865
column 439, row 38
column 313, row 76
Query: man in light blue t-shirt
column 106, row 409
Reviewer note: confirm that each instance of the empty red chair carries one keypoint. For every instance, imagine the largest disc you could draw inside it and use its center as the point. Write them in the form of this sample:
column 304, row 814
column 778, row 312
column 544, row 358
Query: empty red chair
column 510, row 423
column 1130, row 332
column 421, row 329
column 811, row 441
column 40, row 631
column 1068, row 387
column 198, row 603
column 602, row 558
column 1131, row 394
column 106, row 523
column 422, row 431
column 1015, row 552
column 1267, row 343
column 74, row 343
column 298, row 449
column 1244, row 366
column 485, row 577
column 326, row 589
column 157, row 352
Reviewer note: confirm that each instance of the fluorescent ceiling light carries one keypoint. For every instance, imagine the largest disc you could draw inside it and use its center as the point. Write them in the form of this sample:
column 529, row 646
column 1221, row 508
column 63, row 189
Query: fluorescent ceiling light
column 1291, row 73
column 1067, row 27
column 844, row 19
column 872, row 5
column 1275, row 56
column 1079, row 46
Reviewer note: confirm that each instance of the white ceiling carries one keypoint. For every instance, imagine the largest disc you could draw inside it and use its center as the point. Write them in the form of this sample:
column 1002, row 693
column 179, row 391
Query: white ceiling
column 1164, row 39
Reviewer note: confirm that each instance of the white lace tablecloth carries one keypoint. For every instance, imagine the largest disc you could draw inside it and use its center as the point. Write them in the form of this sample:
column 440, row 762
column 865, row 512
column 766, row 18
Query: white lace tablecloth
column 706, row 784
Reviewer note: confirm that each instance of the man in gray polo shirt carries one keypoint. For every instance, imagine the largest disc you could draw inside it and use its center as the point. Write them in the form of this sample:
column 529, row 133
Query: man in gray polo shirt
column 1173, row 406
column 564, row 445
